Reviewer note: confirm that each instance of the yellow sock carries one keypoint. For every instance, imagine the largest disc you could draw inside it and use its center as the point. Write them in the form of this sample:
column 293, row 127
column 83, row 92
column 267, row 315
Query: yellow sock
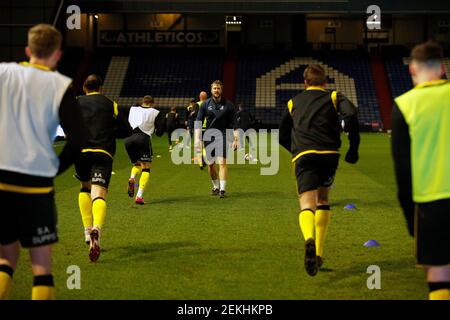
column 99, row 212
column 43, row 288
column 85, row 204
column 6, row 273
column 441, row 294
column 306, row 220
column 322, row 221
column 135, row 171
column 145, row 176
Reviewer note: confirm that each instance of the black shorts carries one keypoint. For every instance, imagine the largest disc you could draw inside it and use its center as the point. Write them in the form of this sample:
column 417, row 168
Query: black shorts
column 95, row 167
column 315, row 170
column 216, row 148
column 139, row 148
column 29, row 218
column 433, row 233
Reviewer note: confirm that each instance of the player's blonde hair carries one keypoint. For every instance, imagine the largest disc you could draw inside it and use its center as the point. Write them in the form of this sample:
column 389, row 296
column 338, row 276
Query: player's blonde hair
column 44, row 40
column 148, row 100
column 314, row 75
column 217, row 82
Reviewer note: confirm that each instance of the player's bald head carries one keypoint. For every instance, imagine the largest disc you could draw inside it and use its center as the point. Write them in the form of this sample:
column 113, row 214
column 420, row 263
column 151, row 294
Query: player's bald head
column 203, row 96
column 92, row 83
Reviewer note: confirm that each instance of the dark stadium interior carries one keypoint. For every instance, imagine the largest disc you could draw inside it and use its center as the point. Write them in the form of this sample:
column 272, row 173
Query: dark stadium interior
column 231, row 218
column 260, row 56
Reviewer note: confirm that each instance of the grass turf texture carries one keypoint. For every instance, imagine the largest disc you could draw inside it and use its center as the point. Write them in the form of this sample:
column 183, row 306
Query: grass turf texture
column 186, row 244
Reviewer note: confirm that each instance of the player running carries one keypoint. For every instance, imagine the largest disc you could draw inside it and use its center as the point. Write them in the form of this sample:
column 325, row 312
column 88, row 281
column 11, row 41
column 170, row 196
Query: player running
column 93, row 168
column 310, row 130
column 143, row 120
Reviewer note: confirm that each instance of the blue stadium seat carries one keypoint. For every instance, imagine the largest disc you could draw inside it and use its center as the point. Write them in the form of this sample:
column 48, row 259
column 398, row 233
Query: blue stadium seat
column 280, row 78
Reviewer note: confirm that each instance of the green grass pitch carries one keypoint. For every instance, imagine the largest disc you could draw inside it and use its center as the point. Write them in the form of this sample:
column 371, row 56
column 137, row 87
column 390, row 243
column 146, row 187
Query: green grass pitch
column 186, row 244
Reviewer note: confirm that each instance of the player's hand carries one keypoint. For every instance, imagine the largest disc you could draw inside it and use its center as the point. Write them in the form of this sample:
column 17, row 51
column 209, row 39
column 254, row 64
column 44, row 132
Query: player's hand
column 235, row 145
column 352, row 156
column 198, row 146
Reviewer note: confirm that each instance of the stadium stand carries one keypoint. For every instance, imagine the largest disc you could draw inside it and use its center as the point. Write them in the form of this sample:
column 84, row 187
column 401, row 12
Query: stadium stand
column 171, row 80
column 267, row 83
column 399, row 77
column 264, row 84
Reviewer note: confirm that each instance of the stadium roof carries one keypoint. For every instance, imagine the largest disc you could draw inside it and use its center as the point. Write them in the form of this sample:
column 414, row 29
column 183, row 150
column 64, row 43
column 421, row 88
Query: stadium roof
column 263, row 6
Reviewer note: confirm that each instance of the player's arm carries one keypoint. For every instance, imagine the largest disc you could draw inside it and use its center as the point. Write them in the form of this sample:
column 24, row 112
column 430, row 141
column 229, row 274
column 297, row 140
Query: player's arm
column 234, row 124
column 349, row 114
column 285, row 129
column 123, row 128
column 160, row 124
column 74, row 128
column 401, row 153
column 198, row 123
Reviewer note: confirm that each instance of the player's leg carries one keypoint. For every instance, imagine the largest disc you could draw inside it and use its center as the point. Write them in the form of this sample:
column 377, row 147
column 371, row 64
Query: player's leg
column 307, row 188
column 438, row 278
column 252, row 139
column 43, row 285
column 322, row 220
column 169, row 138
column 328, row 164
column 221, row 153
column 9, row 244
column 433, row 246
column 98, row 196
column 306, row 172
column 307, row 201
column 82, row 169
column 136, row 170
column 145, row 157
column 211, row 160
column 85, row 206
column 38, row 233
column 223, row 175
column 9, row 255
column 100, row 177
column 143, row 181
column 130, row 146
column 212, row 170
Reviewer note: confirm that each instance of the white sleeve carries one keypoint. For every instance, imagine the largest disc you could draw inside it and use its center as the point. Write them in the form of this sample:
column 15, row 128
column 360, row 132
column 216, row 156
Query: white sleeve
column 135, row 117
